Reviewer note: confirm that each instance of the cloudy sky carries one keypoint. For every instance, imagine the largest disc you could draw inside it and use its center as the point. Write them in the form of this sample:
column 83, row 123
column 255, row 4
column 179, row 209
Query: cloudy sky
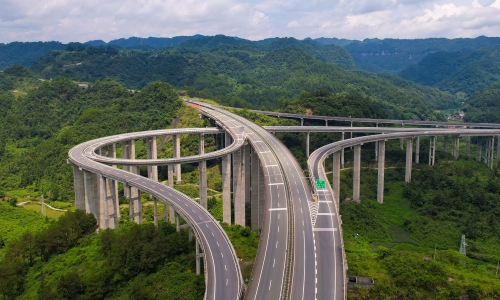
column 84, row 20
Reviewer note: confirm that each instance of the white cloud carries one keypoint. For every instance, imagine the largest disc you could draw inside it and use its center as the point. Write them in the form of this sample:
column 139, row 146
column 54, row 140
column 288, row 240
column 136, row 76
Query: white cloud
column 76, row 20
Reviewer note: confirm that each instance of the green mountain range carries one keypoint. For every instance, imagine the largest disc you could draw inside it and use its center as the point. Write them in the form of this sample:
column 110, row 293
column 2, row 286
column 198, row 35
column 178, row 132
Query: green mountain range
column 242, row 74
column 467, row 71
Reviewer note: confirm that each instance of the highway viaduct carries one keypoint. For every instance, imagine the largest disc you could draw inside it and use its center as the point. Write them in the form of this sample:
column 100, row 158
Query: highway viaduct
column 301, row 252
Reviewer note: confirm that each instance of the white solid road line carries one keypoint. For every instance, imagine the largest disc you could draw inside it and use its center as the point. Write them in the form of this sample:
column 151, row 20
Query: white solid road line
column 325, row 229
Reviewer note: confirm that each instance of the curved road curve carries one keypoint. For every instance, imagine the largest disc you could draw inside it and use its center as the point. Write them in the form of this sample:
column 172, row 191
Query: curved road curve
column 328, row 212
column 222, row 273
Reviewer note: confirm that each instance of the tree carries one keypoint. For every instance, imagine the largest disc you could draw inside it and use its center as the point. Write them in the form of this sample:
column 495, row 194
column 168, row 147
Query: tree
column 13, row 201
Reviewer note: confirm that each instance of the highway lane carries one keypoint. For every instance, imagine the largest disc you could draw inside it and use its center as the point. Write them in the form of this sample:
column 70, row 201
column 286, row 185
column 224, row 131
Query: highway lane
column 222, row 273
column 344, row 129
column 92, row 152
column 328, row 214
column 269, row 268
column 302, row 284
column 376, row 121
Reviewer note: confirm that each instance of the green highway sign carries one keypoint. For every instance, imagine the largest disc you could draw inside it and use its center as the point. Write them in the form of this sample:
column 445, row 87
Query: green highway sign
column 320, row 184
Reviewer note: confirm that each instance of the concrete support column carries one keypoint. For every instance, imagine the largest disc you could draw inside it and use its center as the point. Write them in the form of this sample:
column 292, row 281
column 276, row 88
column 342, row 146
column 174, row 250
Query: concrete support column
column 198, row 257
column 455, row 146
column 177, row 222
column 417, row 150
column 498, row 151
column 356, row 173
column 409, row 159
column 301, row 122
column 113, row 186
column 226, row 184
column 445, row 144
column 490, row 150
column 336, row 176
column 190, row 234
column 239, row 186
column 155, row 212
column 401, row 142
column 381, row 171
column 248, row 166
column 342, row 152
column 170, row 175
column 351, row 131
column 307, row 144
column 109, row 203
column 467, row 147
column 479, row 149
column 135, row 204
column 326, row 122
column 432, row 150
column 91, row 192
column 177, row 153
column 171, row 213
column 102, row 211
column 152, row 153
column 254, row 190
column 79, row 185
column 202, row 169
column 487, row 152
column 157, row 216
column 126, row 155
column 376, row 146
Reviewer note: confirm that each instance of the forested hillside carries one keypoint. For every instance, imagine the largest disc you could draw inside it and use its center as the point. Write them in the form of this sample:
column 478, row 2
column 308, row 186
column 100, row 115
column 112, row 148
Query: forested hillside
column 25, row 53
column 484, row 106
column 393, row 55
column 66, row 260
column 40, row 125
column 235, row 74
column 455, row 72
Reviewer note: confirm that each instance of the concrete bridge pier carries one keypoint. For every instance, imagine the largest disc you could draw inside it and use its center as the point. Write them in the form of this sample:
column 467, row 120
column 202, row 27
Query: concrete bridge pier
column 376, row 146
column 301, row 121
column 342, row 153
column 158, row 216
column 239, row 185
column 432, row 150
column 381, row 171
column 356, row 173
column 417, row 150
column 152, row 153
column 199, row 256
column 445, row 144
column 91, row 192
column 490, row 149
column 79, row 186
column 113, row 187
column 128, row 152
column 135, row 204
column 467, row 147
column 409, row 159
column 326, row 122
column 109, row 204
column 226, row 183
column 336, row 176
column 479, row 149
column 498, row 151
column 307, row 144
column 202, row 168
column 455, row 146
column 177, row 154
